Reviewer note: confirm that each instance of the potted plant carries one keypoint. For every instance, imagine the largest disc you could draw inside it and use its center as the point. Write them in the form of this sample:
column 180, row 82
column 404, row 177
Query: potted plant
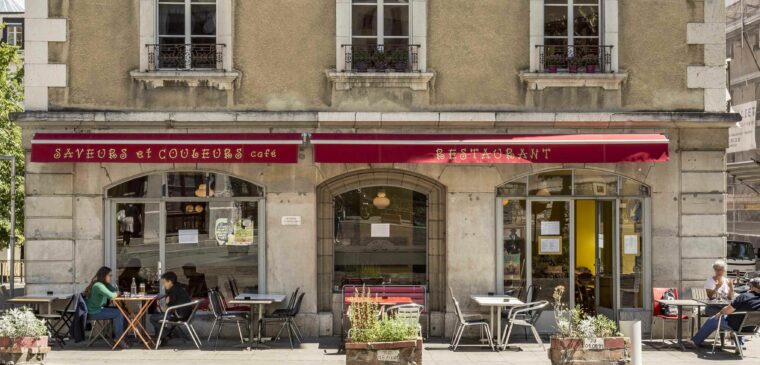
column 23, row 337
column 585, row 339
column 400, row 59
column 380, row 60
column 572, row 64
column 590, row 62
column 375, row 340
column 360, row 58
column 553, row 62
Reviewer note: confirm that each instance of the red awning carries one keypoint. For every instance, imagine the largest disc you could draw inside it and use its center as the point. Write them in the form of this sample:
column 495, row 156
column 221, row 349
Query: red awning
column 488, row 148
column 166, row 148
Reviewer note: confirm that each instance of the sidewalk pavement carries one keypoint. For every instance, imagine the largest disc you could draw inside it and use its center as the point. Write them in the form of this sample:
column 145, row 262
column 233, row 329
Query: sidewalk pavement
column 323, row 351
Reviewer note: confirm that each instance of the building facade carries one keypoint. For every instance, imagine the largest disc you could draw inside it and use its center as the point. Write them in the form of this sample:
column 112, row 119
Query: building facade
column 274, row 144
column 12, row 15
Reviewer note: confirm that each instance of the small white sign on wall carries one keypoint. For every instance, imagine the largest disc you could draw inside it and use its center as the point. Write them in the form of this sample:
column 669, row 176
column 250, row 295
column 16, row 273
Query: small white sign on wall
column 593, row 344
column 380, row 230
column 388, row 355
column 291, row 220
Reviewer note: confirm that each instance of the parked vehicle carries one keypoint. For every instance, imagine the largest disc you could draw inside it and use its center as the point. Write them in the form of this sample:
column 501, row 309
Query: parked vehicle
column 740, row 257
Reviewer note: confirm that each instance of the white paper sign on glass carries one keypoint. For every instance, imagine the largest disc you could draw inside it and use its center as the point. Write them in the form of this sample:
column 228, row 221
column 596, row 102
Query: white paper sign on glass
column 549, row 228
column 380, row 230
column 551, row 245
column 631, row 244
column 188, row 236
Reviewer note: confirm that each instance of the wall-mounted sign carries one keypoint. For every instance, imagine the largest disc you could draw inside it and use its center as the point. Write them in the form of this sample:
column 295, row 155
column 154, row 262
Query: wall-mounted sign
column 631, row 244
column 291, row 220
column 550, row 228
column 222, row 229
column 593, row 344
column 742, row 136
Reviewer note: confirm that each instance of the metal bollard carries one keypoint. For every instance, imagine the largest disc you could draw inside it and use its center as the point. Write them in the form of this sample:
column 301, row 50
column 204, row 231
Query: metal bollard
column 632, row 329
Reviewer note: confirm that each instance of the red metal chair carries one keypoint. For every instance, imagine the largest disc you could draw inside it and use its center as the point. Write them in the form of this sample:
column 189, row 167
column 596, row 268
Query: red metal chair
column 657, row 293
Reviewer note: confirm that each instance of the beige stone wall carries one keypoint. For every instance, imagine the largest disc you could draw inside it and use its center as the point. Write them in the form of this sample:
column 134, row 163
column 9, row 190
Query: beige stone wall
column 283, row 47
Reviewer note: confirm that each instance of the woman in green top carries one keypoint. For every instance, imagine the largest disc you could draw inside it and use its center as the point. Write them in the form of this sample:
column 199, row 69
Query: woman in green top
column 98, row 293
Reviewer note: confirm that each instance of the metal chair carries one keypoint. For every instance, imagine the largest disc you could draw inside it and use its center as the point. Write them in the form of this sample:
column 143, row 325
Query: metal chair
column 99, row 327
column 525, row 316
column 750, row 326
column 657, row 293
column 285, row 311
column 222, row 317
column 699, row 294
column 173, row 319
column 463, row 323
column 409, row 313
column 56, row 322
column 288, row 321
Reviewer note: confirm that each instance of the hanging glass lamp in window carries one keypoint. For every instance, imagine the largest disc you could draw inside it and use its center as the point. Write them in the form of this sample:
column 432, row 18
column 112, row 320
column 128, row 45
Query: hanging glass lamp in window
column 381, row 201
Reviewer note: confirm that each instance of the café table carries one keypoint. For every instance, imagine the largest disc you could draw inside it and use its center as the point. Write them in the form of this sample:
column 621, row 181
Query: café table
column 495, row 304
column 134, row 319
column 680, row 303
column 260, row 301
column 37, row 300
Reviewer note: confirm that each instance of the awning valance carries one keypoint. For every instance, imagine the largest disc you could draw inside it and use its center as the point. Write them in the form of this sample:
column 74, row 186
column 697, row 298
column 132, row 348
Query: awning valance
column 166, row 147
column 489, row 149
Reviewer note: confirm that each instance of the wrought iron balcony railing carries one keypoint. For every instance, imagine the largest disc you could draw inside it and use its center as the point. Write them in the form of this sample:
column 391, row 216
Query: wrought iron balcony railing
column 575, row 59
column 382, row 58
column 185, row 57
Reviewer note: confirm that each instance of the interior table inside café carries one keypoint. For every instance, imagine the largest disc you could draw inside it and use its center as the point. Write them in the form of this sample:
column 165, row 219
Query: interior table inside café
column 125, row 305
column 495, row 303
column 260, row 301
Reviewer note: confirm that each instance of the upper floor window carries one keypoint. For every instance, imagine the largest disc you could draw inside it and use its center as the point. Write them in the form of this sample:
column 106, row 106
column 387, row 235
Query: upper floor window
column 13, row 33
column 187, row 35
column 380, row 36
column 572, row 40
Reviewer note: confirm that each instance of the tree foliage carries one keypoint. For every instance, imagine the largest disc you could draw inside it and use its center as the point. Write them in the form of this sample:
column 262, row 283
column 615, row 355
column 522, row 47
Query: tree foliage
column 11, row 96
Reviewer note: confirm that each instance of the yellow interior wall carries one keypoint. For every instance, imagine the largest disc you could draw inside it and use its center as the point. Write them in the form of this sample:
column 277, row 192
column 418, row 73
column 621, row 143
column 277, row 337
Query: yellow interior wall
column 585, row 232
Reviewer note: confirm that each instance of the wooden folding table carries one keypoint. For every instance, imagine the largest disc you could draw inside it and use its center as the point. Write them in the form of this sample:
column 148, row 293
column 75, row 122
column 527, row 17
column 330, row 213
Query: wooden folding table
column 134, row 319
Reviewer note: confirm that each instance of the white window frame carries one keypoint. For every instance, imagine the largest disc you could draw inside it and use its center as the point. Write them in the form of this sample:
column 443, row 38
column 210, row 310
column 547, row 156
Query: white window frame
column 149, row 29
column 417, row 29
column 380, row 35
column 188, row 19
column 609, row 23
column 570, row 35
column 14, row 31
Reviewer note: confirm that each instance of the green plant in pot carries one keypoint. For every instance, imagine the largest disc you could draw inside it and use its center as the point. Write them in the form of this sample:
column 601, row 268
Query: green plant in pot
column 380, row 60
column 360, row 59
column 584, row 338
column 573, row 63
column 590, row 62
column 400, row 59
column 376, row 337
column 23, row 337
column 553, row 62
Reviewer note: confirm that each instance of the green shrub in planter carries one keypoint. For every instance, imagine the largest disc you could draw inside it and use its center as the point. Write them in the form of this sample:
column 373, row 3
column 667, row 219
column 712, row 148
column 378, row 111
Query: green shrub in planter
column 23, row 337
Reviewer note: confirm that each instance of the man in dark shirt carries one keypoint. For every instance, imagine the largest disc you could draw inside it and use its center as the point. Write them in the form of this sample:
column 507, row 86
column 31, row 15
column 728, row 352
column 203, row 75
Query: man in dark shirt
column 175, row 294
column 747, row 302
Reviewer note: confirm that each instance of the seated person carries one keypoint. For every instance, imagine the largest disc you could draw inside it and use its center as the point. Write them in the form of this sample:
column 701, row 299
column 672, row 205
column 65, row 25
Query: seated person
column 196, row 282
column 747, row 302
column 97, row 295
column 132, row 270
column 175, row 294
column 718, row 286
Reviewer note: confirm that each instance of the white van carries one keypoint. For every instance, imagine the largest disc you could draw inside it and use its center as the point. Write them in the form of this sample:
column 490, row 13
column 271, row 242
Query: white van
column 740, row 257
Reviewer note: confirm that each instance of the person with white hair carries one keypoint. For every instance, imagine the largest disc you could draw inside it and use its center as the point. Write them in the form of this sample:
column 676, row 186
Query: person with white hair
column 747, row 302
column 719, row 286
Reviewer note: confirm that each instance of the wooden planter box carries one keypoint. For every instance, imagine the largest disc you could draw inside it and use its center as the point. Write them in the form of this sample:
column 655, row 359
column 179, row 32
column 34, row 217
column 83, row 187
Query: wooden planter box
column 616, row 351
column 25, row 350
column 384, row 353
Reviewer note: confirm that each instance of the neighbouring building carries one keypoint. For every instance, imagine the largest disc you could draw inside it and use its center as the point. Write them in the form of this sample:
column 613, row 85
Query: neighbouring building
column 743, row 203
column 483, row 146
column 12, row 15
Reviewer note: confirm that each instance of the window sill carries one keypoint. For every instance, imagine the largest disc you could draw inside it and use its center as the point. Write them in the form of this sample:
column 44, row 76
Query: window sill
column 222, row 80
column 542, row 80
column 418, row 81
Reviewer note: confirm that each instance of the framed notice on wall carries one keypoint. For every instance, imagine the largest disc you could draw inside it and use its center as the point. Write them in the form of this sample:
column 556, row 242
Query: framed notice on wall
column 549, row 245
column 631, row 244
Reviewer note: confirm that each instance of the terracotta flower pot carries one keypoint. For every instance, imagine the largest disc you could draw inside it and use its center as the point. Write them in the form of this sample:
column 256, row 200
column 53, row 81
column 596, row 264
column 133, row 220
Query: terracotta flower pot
column 591, row 69
column 6, row 342
column 552, row 69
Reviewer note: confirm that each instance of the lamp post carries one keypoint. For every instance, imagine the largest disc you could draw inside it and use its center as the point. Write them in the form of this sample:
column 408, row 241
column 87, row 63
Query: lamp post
column 12, row 235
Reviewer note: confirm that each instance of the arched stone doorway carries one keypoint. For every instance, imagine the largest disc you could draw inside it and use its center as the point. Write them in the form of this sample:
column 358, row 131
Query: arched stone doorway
column 350, row 202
